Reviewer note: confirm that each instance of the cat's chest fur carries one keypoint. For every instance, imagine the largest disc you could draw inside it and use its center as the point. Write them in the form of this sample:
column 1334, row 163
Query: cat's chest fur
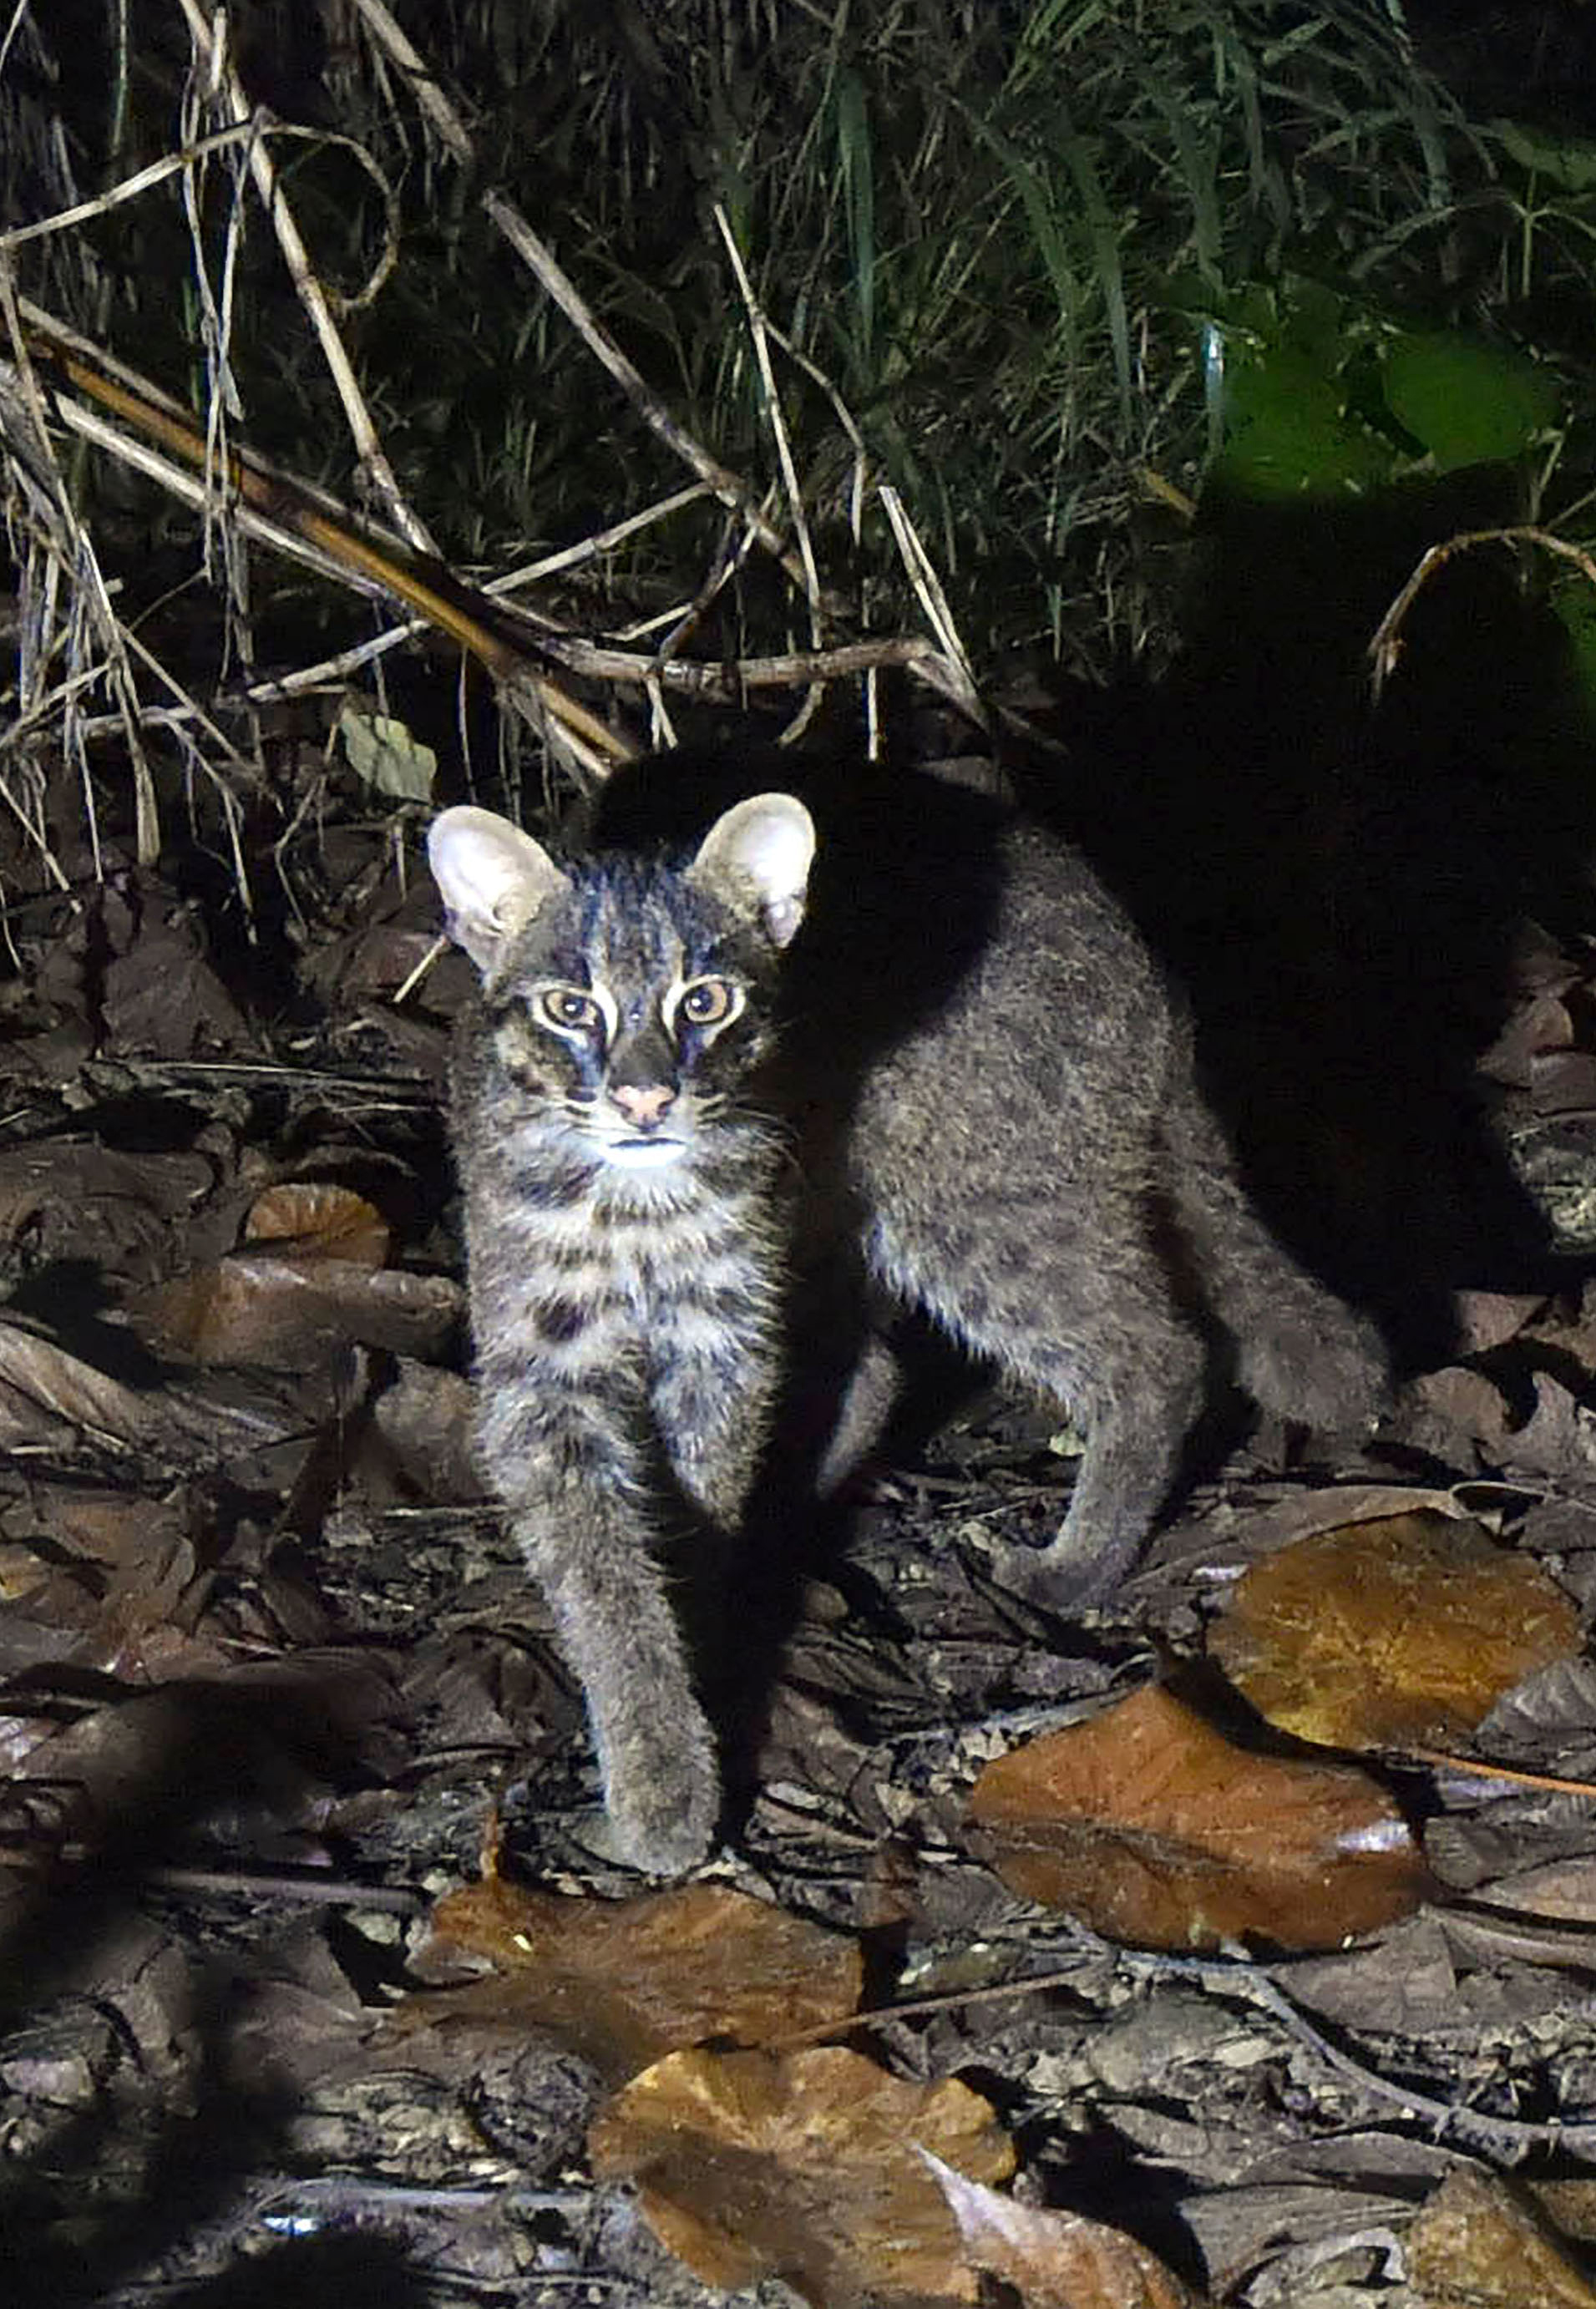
column 579, row 1261
column 623, row 1230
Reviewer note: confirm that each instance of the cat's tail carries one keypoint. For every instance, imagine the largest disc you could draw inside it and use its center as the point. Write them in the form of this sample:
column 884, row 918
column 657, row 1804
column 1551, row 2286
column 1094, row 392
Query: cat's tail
column 1301, row 1352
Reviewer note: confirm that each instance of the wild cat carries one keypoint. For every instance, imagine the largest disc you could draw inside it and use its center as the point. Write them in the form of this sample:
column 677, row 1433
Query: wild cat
column 966, row 1058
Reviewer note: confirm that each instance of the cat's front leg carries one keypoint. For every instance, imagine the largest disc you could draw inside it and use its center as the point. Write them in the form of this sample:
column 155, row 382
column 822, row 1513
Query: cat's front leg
column 867, row 1401
column 714, row 1382
column 568, row 1463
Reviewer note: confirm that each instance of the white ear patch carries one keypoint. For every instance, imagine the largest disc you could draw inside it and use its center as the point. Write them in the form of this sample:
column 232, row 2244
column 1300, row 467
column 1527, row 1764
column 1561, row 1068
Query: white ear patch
column 492, row 879
column 756, row 859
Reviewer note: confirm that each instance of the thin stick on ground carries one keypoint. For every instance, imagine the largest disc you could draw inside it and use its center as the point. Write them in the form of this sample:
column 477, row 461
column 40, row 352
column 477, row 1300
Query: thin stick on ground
column 1385, row 649
column 453, row 134
column 373, row 459
column 784, row 453
column 60, row 536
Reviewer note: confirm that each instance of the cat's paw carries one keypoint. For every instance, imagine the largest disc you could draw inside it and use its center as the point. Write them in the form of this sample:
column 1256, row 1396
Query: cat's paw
column 1063, row 1578
column 660, row 1831
column 650, row 1851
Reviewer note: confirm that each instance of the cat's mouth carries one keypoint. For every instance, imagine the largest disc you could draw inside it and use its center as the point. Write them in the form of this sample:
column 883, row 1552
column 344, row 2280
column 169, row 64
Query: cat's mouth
column 644, row 1154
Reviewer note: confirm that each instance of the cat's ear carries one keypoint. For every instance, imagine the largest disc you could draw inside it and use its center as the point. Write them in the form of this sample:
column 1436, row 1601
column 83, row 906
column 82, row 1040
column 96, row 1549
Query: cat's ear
column 756, row 859
column 491, row 876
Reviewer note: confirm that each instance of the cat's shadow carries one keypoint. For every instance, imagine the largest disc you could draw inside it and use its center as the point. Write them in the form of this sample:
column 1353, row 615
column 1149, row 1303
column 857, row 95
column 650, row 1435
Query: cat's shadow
column 1339, row 880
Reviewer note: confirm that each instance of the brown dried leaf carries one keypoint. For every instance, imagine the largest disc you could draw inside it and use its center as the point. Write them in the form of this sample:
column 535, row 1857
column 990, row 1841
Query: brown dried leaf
column 1570, row 2206
column 263, row 1739
column 120, row 1592
column 1517, row 1920
column 1448, row 1412
column 624, row 1981
column 1558, row 1890
column 1557, row 1438
column 1334, row 1507
column 1477, row 2245
column 802, row 2164
column 1489, row 1319
column 50, row 1398
column 1056, row 2260
column 422, row 1424
column 1541, row 962
column 59, row 1197
column 1394, row 1634
column 1538, row 1026
column 1563, row 1082
column 163, row 1593
column 319, row 1222
column 47, row 1396
column 85, row 1525
column 290, row 1311
column 159, row 992
column 1155, row 1829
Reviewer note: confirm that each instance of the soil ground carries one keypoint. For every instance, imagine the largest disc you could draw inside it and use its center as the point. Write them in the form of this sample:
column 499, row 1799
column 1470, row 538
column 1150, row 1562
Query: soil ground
column 272, row 1672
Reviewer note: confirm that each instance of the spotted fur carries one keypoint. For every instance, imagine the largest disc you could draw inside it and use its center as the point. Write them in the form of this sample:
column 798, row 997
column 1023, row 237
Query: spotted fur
column 990, row 1092
column 625, row 1250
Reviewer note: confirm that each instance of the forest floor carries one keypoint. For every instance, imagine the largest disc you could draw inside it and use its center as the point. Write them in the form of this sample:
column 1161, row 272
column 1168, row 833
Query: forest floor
column 275, row 1687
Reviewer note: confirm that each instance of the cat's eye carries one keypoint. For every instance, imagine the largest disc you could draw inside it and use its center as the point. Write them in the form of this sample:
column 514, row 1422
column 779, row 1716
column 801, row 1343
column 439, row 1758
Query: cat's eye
column 569, row 1011
column 707, row 1002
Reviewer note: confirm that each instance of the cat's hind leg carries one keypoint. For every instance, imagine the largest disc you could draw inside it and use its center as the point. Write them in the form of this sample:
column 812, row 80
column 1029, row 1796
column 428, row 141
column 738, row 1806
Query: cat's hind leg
column 1087, row 1317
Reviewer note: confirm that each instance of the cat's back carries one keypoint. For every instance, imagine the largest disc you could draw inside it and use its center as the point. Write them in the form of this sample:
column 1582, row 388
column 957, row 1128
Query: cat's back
column 928, row 894
column 971, row 1010
column 1042, row 1076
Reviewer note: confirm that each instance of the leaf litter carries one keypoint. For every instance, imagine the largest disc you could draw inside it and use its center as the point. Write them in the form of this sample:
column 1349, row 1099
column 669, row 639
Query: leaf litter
column 1394, row 1632
column 267, row 1665
column 804, row 2165
column 625, row 1982
column 1055, row 2259
column 1150, row 1826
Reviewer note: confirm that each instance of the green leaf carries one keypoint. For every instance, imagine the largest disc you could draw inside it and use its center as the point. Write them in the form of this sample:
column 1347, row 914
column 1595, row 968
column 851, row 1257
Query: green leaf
column 1042, row 216
column 1288, row 430
column 855, row 158
column 1574, row 600
column 384, row 754
column 1103, row 228
column 1567, row 160
column 1468, row 403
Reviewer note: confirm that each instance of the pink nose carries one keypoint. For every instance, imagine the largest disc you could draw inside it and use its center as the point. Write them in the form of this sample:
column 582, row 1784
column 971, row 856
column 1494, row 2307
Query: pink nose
column 642, row 1103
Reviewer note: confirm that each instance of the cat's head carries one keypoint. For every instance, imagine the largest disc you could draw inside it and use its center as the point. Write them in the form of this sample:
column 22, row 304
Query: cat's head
column 628, row 997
